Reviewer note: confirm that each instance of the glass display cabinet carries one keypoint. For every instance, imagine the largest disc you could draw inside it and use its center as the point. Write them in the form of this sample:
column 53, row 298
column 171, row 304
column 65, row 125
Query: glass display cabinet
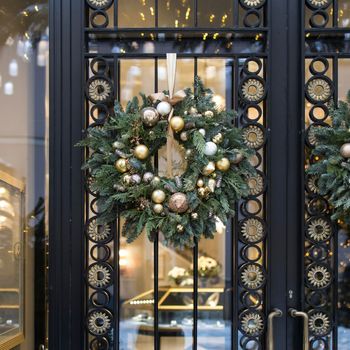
column 11, row 261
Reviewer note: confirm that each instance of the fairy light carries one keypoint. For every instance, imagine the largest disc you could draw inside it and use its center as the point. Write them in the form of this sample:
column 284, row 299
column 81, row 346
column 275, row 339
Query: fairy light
column 176, row 23
column 152, row 36
column 205, row 35
column 26, row 35
column 25, row 13
column 188, row 13
column 224, row 18
column 215, row 36
column 168, row 5
column 143, row 2
column 142, row 34
column 122, row 51
column 152, row 11
column 308, row 34
column 36, row 8
column 211, row 18
column 142, row 16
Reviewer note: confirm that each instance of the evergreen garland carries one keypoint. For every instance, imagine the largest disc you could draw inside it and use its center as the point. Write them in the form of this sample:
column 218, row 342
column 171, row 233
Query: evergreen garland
column 332, row 155
column 117, row 138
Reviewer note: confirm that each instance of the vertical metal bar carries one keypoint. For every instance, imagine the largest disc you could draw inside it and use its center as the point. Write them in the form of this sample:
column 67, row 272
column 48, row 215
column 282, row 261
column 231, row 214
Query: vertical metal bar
column 235, row 77
column 195, row 264
column 195, row 13
column 235, row 14
column 335, row 235
column 115, row 13
column 156, row 19
column 156, row 250
column 335, row 13
column 116, row 242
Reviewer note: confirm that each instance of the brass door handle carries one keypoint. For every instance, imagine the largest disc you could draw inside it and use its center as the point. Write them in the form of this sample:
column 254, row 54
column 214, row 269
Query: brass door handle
column 270, row 340
column 305, row 317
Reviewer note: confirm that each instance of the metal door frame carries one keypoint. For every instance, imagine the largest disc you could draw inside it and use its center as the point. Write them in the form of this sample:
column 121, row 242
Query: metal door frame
column 66, row 276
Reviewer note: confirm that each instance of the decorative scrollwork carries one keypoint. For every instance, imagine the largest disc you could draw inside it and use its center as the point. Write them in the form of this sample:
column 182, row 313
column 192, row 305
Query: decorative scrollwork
column 99, row 275
column 252, row 89
column 318, row 4
column 319, row 89
column 99, row 89
column 256, row 184
column 319, row 229
column 98, row 232
column 252, row 230
column 99, row 4
column 251, row 4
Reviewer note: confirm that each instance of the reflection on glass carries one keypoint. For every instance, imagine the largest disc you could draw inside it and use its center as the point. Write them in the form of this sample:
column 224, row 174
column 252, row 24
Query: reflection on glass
column 23, row 158
column 136, row 76
column 343, row 78
column 175, row 297
column 344, row 13
column 215, row 13
column 136, row 295
column 176, row 13
column 136, row 13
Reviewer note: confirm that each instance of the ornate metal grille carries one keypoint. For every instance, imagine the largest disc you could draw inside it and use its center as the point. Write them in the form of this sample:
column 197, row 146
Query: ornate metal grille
column 326, row 46
column 240, row 39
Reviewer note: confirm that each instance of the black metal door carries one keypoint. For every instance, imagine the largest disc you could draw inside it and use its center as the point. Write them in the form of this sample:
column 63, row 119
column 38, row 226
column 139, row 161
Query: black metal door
column 114, row 43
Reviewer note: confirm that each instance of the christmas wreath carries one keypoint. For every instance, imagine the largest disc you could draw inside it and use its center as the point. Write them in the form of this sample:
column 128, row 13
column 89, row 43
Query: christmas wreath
column 330, row 173
column 123, row 169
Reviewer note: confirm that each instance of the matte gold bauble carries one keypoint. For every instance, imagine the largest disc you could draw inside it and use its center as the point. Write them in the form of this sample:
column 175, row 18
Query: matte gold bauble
column 238, row 158
column 158, row 196
column 193, row 110
column 158, row 208
column 122, row 165
column 155, row 181
column 203, row 192
column 177, row 123
column 178, row 203
column 141, row 152
column 209, row 168
column 200, row 183
column 345, row 150
column 223, row 164
column 209, row 114
column 149, row 116
column 218, row 138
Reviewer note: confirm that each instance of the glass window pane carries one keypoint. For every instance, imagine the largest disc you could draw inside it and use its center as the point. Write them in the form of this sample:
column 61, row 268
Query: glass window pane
column 344, row 13
column 136, row 13
column 215, row 13
column 176, row 13
column 24, row 54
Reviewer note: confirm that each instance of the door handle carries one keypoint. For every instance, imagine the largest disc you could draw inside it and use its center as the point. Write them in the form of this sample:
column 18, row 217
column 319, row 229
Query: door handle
column 270, row 340
column 305, row 317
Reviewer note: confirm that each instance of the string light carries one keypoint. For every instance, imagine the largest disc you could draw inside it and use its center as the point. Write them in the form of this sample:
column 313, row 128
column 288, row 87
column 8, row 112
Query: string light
column 25, row 13
column 205, row 35
column 211, row 18
column 152, row 11
column 215, row 36
column 176, row 23
column 224, row 18
column 142, row 16
column 36, row 8
column 188, row 13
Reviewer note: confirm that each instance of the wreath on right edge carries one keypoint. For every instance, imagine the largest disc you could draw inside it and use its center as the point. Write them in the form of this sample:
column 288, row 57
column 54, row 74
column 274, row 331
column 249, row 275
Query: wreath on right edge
column 329, row 175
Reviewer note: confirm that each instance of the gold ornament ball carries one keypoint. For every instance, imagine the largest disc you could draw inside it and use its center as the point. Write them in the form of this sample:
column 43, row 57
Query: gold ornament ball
column 194, row 216
column 200, row 183
column 141, row 152
column 180, row 228
column 178, row 203
column 158, row 208
column 155, row 181
column 218, row 138
column 122, row 165
column 158, row 196
column 209, row 114
column 238, row 158
column 177, row 124
column 208, row 169
column 345, row 150
column 193, row 110
column 149, row 116
column 223, row 164
column 203, row 192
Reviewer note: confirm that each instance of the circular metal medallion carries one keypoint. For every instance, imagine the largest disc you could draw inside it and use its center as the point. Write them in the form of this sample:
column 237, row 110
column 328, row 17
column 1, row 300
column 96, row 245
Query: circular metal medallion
column 252, row 4
column 252, row 90
column 312, row 184
column 318, row 276
column 99, row 322
column 318, row 4
column 252, row 230
column 252, row 323
column 99, row 275
column 99, row 4
column 319, row 89
column 256, row 184
column 319, row 229
column 98, row 232
column 99, row 89
column 319, row 323
column 252, row 276
column 253, row 136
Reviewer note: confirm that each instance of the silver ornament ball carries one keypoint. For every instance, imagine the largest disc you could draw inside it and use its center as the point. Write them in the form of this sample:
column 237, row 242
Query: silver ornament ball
column 345, row 150
column 164, row 108
column 148, row 177
column 149, row 116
